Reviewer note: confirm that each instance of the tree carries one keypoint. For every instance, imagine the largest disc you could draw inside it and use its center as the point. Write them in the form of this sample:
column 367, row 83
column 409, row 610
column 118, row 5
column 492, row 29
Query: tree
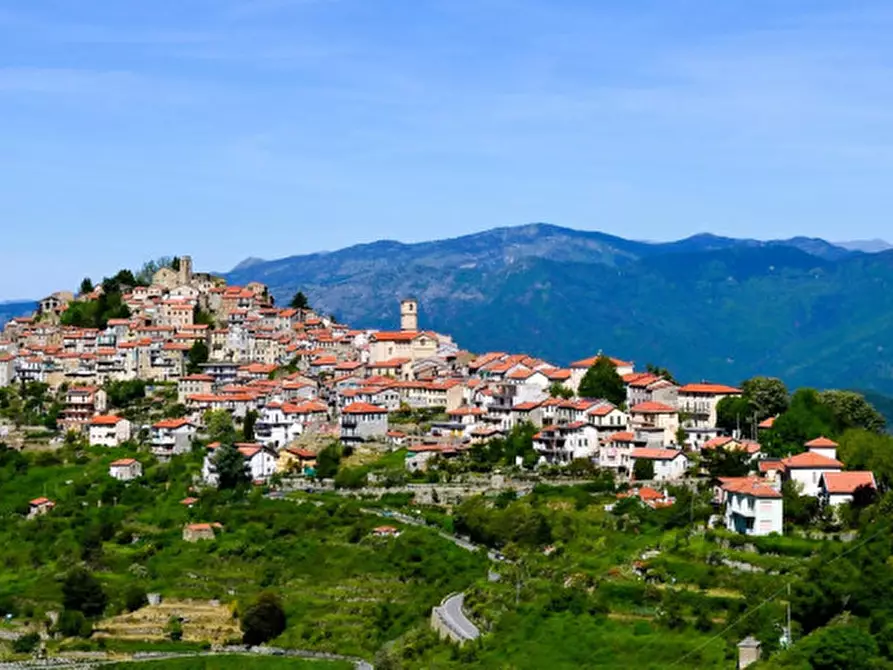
column 86, row 286
column 768, row 396
column 248, row 425
column 799, row 510
column 722, row 462
column 839, row 647
column 202, row 318
column 135, row 597
column 122, row 393
column 299, row 301
column 852, row 410
column 660, row 372
column 559, row 390
column 733, row 413
column 219, row 426
column 198, row 354
column 231, row 467
column 120, row 282
column 643, row 470
column 806, row 418
column 865, row 450
column 264, row 620
column 82, row 592
column 327, row 461
column 602, row 381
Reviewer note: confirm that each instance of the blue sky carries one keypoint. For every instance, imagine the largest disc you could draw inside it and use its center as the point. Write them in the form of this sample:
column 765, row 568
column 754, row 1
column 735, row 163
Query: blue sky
column 229, row 128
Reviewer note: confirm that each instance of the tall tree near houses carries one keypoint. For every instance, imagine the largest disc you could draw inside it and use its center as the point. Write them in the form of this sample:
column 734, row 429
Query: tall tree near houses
column 232, row 471
column 768, row 396
column 197, row 355
column 299, row 301
column 602, row 381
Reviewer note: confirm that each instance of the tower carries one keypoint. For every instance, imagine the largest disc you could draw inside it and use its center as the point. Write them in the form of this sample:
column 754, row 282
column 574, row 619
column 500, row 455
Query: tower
column 185, row 272
column 409, row 315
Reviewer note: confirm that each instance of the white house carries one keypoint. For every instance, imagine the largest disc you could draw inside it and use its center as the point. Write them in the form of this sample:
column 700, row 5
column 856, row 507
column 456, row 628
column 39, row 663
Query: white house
column 171, row 437
column 109, row 430
column 699, row 402
column 751, row 507
column 563, row 443
column 260, row 462
column 282, row 423
column 669, row 464
column 807, row 468
column 126, row 469
column 362, row 421
column 837, row 488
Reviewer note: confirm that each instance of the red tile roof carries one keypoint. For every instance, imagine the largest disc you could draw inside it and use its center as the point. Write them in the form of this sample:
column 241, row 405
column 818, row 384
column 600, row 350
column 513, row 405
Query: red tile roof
column 767, row 423
column 809, row 459
column 750, row 486
column 589, row 362
column 171, row 423
column 653, row 454
column 623, row 436
column 821, row 443
column 709, row 389
column 396, row 336
column 466, row 411
column 122, row 462
column 106, row 420
column 652, row 407
column 363, row 408
column 41, row 501
column 848, row 482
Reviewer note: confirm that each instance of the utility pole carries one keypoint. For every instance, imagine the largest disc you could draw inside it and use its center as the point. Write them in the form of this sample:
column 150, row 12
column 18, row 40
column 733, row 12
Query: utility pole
column 788, row 637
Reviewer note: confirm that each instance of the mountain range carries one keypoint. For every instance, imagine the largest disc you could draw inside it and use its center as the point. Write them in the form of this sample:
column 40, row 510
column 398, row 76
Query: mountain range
column 707, row 307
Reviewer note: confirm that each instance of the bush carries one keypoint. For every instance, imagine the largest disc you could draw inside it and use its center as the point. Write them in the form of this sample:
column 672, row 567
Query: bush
column 174, row 629
column 82, row 592
column 74, row 624
column 25, row 644
column 135, row 597
column 263, row 621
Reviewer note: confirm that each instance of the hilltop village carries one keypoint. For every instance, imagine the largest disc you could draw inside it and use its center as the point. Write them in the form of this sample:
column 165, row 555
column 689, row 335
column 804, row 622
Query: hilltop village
column 301, row 379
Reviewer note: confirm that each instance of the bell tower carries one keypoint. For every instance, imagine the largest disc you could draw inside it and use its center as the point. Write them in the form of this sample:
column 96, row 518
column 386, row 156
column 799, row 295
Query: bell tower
column 185, row 272
column 409, row 315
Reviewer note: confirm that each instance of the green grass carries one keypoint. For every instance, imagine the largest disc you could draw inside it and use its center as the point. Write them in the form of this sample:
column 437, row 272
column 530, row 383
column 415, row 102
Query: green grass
column 236, row 663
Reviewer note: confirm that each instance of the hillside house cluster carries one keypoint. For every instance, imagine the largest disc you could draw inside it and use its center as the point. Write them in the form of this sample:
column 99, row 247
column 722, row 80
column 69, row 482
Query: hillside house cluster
column 303, row 374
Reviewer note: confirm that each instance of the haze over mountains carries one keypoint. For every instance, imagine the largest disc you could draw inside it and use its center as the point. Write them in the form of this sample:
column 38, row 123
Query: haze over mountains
column 708, row 307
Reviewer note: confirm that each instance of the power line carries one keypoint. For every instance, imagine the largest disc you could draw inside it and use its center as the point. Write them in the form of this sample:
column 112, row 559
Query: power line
column 769, row 599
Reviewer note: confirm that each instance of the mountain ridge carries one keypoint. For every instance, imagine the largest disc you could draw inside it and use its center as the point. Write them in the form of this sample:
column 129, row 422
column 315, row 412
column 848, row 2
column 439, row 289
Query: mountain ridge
column 706, row 306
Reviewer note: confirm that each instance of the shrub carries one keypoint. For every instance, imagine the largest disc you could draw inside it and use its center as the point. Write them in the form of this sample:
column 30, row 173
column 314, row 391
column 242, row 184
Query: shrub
column 73, row 623
column 264, row 620
column 25, row 644
column 135, row 597
column 82, row 592
column 174, row 629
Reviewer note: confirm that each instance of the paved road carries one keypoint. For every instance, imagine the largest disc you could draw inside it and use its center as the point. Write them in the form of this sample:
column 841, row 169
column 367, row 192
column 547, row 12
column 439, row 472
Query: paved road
column 454, row 617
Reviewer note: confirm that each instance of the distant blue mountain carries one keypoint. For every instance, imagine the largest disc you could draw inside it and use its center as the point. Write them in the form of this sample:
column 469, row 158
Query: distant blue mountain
column 706, row 307
column 12, row 309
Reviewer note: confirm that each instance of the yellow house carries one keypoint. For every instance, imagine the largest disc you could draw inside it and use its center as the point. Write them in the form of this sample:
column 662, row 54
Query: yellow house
column 413, row 345
column 295, row 459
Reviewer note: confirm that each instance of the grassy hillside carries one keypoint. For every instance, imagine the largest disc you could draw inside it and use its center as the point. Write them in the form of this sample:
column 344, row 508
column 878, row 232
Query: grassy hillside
column 343, row 589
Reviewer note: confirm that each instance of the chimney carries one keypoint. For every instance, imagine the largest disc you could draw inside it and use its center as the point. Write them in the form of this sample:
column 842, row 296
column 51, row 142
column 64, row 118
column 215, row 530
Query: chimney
column 748, row 652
